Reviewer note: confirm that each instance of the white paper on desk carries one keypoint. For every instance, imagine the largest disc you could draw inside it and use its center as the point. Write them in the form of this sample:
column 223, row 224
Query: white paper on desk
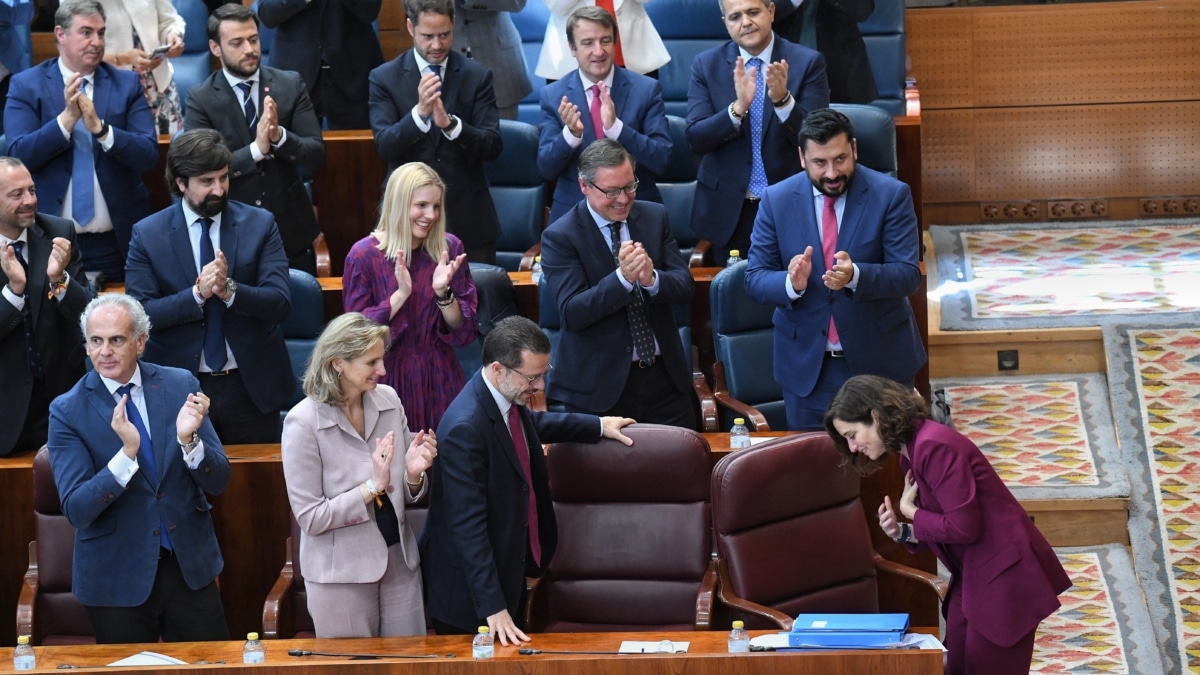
column 922, row 641
column 149, row 659
column 637, row 647
column 755, row 440
column 909, row 641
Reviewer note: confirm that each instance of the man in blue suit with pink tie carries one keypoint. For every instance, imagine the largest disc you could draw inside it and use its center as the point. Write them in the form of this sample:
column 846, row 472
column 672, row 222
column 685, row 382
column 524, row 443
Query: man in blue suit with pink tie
column 835, row 250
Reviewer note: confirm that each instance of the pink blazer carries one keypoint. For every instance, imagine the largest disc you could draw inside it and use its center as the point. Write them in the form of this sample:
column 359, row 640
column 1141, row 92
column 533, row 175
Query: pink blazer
column 1007, row 573
column 324, row 462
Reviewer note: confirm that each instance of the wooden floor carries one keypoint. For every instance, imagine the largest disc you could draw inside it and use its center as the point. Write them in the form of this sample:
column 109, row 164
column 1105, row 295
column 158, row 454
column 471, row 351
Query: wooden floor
column 1064, row 522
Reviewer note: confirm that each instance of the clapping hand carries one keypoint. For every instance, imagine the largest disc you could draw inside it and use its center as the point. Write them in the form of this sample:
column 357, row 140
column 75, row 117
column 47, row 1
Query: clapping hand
column 131, row 440
column 908, row 500
column 420, row 456
column 571, row 118
column 191, row 416
column 445, row 271
column 887, row 519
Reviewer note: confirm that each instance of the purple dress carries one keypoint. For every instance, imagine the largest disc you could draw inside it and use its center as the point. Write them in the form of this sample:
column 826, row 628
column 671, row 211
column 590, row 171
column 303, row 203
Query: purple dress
column 421, row 364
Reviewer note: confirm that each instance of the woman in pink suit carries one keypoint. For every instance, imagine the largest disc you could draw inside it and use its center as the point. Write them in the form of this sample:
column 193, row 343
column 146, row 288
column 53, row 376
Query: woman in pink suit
column 348, row 490
column 1005, row 577
column 412, row 276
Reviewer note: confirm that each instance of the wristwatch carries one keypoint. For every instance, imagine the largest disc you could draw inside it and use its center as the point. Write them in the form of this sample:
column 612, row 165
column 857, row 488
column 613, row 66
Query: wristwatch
column 230, row 286
column 906, row 533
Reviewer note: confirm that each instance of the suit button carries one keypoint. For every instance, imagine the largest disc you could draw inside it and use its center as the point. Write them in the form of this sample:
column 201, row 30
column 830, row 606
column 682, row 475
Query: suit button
column 156, row 533
column 258, row 202
column 525, row 488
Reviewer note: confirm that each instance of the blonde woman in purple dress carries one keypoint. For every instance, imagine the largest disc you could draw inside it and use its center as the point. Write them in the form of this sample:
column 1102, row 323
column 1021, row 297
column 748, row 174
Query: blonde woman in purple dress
column 412, row 276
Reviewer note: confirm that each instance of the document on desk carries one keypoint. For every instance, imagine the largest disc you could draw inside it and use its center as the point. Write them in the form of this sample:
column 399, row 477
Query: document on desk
column 149, row 659
column 779, row 642
column 639, row 647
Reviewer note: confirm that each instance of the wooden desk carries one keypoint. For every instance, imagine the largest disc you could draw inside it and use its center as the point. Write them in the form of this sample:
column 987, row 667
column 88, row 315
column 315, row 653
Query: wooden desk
column 706, row 655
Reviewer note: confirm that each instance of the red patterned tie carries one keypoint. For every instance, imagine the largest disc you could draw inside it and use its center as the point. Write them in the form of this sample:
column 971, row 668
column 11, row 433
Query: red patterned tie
column 597, row 121
column 518, row 436
column 829, row 236
column 607, row 5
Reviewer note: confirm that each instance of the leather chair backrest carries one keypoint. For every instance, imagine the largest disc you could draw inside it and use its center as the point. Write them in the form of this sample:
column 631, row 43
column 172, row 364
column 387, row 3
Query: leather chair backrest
column 883, row 33
column 634, row 538
column 678, row 186
column 303, row 325
column 875, row 131
column 497, row 299
column 518, row 192
column 194, row 64
column 789, row 524
column 59, row 619
column 744, row 343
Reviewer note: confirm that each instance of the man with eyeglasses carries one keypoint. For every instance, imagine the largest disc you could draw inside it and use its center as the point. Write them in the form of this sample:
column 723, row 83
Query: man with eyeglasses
column 491, row 522
column 615, row 271
column 599, row 100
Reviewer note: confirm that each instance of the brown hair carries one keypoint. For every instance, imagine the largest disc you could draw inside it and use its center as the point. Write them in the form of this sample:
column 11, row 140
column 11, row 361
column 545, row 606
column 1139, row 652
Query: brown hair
column 870, row 399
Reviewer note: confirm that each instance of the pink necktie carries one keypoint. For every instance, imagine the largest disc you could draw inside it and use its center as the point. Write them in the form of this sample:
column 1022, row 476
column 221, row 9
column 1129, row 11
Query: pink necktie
column 597, row 122
column 829, row 237
column 518, row 436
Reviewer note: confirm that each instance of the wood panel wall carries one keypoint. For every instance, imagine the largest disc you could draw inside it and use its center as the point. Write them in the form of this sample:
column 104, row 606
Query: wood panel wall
column 1095, row 106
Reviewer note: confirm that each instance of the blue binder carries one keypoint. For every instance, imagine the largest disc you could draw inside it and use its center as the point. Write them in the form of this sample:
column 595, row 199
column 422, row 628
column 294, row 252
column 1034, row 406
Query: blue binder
column 853, row 631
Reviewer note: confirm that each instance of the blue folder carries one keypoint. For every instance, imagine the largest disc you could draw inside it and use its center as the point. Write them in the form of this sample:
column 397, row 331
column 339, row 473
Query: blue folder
column 848, row 630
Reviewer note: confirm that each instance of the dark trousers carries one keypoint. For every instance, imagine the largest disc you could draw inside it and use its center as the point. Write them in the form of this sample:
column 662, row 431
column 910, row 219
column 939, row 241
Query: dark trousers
column 234, row 416
column 651, row 397
column 807, row 413
column 968, row 652
column 305, row 260
column 481, row 253
column 329, row 102
column 37, row 419
column 173, row 612
column 443, row 628
column 101, row 253
column 740, row 240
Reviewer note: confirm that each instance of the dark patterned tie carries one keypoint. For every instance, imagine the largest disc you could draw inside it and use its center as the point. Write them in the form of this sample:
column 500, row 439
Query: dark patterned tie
column 214, row 308
column 248, row 106
column 639, row 316
column 32, row 355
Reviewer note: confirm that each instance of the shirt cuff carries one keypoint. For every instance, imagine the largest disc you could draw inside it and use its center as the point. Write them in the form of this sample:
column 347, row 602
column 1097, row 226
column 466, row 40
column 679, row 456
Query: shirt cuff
column 785, row 111
column 853, row 285
column 193, row 458
column 256, row 154
column 570, row 138
column 65, row 131
column 122, row 467
column 621, row 278
column 422, row 124
column 652, row 289
column 229, row 302
column 456, row 131
column 614, row 132
column 17, row 301
column 107, row 142
column 282, row 138
column 791, row 292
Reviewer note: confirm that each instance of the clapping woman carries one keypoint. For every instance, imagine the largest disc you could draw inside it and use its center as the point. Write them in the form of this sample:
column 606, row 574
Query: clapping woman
column 142, row 36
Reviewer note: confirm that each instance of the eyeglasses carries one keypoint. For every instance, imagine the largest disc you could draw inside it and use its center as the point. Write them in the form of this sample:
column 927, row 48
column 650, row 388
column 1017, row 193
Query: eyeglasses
column 630, row 190
column 532, row 379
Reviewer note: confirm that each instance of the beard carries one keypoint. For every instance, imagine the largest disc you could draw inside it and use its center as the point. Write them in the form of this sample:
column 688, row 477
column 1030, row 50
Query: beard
column 847, row 178
column 211, row 206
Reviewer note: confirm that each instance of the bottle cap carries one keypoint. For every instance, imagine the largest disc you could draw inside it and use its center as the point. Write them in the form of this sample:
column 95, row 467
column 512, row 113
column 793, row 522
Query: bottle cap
column 739, row 420
column 537, row 258
column 734, row 253
column 483, row 629
column 23, row 640
column 251, row 636
column 739, row 624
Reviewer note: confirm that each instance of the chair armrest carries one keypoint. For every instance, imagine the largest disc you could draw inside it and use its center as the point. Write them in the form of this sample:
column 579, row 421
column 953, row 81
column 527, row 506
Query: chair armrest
column 28, row 596
column 727, row 598
column 321, row 250
column 704, row 596
column 535, row 605
column 279, row 600
column 756, row 420
column 701, row 254
column 708, row 405
column 935, row 583
column 527, row 259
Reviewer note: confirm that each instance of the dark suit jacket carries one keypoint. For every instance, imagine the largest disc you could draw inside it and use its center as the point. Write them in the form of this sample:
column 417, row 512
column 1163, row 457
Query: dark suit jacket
column 161, row 271
column 275, row 183
column 645, row 135
column 875, row 321
column 336, row 31
column 1008, row 575
column 35, row 99
column 839, row 41
column 55, row 329
column 475, row 550
column 596, row 347
column 467, row 94
column 724, row 172
column 116, row 529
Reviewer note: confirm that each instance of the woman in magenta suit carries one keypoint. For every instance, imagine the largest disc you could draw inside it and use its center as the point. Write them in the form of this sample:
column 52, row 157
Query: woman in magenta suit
column 1005, row 578
column 412, row 276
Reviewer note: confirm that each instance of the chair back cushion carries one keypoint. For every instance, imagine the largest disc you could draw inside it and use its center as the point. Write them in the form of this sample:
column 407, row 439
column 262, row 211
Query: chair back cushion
column 497, row 299
column 58, row 616
column 634, row 529
column 744, row 342
column 678, row 185
column 518, row 192
column 875, row 132
column 791, row 529
column 194, row 64
column 303, row 325
column 687, row 27
column 883, row 33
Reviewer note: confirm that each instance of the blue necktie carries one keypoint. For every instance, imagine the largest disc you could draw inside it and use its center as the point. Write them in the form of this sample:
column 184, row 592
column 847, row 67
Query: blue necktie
column 758, row 173
column 248, row 103
column 31, row 351
column 83, row 171
column 145, row 452
column 437, row 70
column 214, row 308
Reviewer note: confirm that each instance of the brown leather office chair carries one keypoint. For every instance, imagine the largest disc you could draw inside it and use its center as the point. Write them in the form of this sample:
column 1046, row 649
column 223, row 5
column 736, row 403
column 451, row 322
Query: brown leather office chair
column 634, row 535
column 792, row 536
column 47, row 610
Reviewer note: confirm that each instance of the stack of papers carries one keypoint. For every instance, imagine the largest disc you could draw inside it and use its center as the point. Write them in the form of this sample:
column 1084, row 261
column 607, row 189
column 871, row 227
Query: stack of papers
column 782, row 642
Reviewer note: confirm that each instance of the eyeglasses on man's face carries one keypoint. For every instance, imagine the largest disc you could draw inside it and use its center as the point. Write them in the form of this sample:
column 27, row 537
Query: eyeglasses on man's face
column 532, row 379
column 613, row 193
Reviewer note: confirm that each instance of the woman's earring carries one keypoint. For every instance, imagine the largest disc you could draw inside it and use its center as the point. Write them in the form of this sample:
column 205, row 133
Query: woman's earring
column 339, row 374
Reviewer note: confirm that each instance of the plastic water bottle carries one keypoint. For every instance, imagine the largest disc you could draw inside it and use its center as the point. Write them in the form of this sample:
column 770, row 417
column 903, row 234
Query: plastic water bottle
column 23, row 658
column 253, row 651
column 482, row 646
column 535, row 272
column 739, row 435
column 739, row 640
column 735, row 257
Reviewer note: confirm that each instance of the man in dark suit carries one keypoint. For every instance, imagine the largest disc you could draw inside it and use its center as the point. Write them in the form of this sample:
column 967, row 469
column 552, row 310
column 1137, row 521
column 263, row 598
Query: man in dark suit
column 269, row 124
column 836, row 252
column 746, row 101
column 333, row 46
column 831, row 27
column 41, row 350
column 133, row 455
column 484, row 31
column 599, row 100
column 76, row 117
column 615, row 270
column 491, row 522
column 433, row 105
column 213, row 276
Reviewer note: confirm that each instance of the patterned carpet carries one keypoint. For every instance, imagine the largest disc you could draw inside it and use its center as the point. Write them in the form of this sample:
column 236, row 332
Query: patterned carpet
column 993, row 277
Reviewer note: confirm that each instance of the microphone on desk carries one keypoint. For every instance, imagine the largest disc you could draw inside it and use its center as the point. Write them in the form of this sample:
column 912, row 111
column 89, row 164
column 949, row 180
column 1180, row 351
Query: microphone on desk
column 529, row 651
column 306, row 652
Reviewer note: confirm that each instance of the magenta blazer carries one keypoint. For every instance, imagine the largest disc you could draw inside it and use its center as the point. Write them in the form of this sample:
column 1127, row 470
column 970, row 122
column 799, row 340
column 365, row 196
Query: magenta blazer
column 1007, row 573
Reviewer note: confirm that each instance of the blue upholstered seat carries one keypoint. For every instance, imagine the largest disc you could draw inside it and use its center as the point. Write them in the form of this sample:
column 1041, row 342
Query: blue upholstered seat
column 876, row 134
column 302, row 327
column 194, row 64
column 519, row 194
column 497, row 299
column 743, row 339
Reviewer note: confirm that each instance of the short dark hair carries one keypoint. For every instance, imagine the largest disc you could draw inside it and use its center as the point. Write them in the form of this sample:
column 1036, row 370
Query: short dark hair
column 229, row 12
column 601, row 154
column 193, row 153
column 69, row 9
column 415, row 8
column 510, row 338
column 823, row 125
column 595, row 15
column 867, row 399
